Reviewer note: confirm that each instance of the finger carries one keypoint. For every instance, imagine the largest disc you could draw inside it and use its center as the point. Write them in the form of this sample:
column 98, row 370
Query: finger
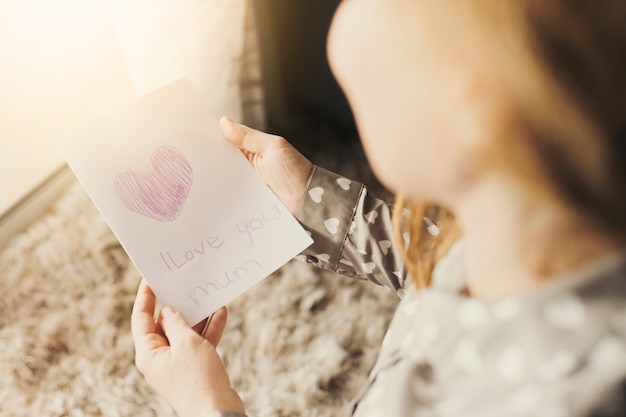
column 159, row 330
column 248, row 139
column 142, row 322
column 215, row 326
column 175, row 326
column 200, row 327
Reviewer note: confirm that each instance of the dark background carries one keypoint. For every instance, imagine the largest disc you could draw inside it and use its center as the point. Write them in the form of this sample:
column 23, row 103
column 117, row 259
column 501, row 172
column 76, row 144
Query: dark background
column 303, row 101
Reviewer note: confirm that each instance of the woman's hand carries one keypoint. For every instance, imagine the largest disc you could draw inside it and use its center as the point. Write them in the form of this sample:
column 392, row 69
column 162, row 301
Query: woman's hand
column 284, row 169
column 181, row 365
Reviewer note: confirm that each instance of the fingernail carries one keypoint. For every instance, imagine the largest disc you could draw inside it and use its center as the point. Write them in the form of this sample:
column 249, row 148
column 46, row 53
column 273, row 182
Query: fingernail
column 167, row 311
column 232, row 127
column 229, row 122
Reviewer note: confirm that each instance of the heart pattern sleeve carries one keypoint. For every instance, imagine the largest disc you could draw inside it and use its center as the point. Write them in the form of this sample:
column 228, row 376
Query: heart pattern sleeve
column 352, row 231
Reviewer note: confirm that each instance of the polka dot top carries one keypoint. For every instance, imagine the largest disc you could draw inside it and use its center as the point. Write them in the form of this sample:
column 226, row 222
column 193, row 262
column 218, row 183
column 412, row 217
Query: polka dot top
column 558, row 352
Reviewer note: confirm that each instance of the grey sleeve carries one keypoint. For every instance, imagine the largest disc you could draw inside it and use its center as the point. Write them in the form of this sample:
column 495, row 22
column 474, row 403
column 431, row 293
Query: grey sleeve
column 352, row 231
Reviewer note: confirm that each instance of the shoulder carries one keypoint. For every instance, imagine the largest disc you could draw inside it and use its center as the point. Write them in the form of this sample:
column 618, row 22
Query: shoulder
column 559, row 352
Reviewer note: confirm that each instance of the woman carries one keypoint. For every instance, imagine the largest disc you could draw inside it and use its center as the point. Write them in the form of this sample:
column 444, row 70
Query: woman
column 501, row 126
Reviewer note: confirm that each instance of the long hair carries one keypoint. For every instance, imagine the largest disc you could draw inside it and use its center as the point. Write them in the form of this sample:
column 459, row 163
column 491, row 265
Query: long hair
column 562, row 64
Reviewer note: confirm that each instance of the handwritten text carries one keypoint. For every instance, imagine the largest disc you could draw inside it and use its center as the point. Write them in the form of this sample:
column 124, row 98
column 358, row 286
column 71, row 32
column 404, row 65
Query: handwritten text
column 226, row 280
column 258, row 222
column 178, row 260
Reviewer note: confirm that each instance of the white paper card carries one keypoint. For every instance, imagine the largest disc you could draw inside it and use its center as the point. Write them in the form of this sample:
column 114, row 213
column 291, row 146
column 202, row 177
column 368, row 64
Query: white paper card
column 195, row 218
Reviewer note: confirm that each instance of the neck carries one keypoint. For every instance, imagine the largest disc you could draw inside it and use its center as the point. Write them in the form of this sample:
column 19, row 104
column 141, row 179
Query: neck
column 514, row 242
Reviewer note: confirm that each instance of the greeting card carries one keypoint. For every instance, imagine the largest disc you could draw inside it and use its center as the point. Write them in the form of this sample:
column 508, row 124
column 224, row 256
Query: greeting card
column 194, row 217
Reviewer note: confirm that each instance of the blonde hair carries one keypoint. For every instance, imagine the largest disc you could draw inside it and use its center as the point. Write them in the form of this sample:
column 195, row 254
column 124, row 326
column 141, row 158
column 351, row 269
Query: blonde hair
column 424, row 248
column 561, row 64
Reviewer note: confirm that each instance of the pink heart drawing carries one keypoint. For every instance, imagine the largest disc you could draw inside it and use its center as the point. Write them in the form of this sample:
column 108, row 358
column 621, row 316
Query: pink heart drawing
column 160, row 190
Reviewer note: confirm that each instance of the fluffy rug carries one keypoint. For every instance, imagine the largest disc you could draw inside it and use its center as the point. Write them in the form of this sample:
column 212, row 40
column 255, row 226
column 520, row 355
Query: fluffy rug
column 300, row 343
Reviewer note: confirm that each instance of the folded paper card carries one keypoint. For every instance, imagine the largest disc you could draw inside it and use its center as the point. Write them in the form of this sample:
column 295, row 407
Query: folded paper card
column 192, row 214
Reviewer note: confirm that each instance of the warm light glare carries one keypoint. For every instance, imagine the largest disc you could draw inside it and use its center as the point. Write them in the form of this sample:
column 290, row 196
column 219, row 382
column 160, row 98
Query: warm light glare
column 55, row 55
column 60, row 64
column 64, row 62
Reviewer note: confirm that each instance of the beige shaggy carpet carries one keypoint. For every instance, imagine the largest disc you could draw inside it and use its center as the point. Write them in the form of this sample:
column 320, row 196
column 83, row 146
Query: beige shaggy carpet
column 300, row 343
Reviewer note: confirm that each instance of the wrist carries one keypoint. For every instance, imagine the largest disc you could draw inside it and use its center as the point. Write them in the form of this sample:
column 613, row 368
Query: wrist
column 226, row 405
column 223, row 414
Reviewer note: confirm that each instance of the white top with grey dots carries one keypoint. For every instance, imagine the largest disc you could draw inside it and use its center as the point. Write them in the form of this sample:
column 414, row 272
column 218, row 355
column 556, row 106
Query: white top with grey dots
column 560, row 352
column 555, row 353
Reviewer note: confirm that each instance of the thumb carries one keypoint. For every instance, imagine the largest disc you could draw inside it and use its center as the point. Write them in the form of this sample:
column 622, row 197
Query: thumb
column 246, row 138
column 174, row 325
column 232, row 130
